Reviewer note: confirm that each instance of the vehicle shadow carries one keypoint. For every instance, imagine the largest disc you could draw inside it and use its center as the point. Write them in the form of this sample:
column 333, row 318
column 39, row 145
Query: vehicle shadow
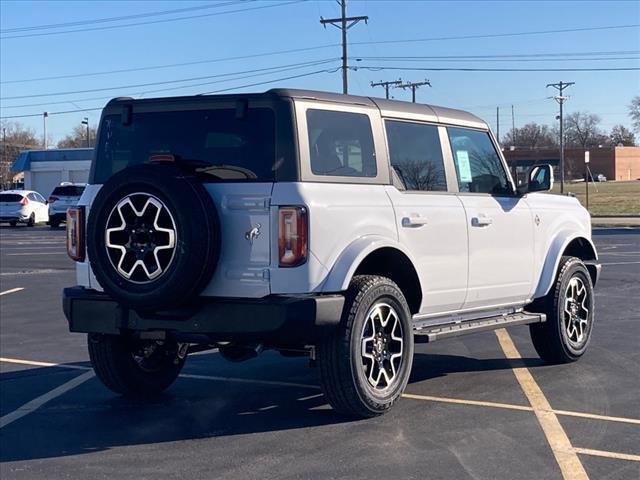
column 89, row 418
column 614, row 231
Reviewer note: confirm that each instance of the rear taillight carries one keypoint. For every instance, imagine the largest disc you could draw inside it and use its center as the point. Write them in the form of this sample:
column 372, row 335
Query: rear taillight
column 24, row 202
column 75, row 233
column 292, row 236
column 53, row 199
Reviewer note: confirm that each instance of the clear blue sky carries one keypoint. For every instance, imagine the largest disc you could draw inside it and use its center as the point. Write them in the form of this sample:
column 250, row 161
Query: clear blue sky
column 296, row 25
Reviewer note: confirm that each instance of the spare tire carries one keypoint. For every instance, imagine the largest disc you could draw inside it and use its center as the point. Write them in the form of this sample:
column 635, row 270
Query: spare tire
column 153, row 237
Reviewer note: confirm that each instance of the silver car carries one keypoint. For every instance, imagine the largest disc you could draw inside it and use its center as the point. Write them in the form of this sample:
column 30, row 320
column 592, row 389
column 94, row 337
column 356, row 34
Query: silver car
column 63, row 196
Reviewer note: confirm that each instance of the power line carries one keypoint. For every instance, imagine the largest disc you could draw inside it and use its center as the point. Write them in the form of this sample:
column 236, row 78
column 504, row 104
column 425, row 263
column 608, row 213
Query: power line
column 170, row 65
column 270, row 72
column 116, row 19
column 166, row 82
column 110, row 27
column 266, row 82
column 498, row 35
column 517, row 55
column 492, row 60
column 469, row 69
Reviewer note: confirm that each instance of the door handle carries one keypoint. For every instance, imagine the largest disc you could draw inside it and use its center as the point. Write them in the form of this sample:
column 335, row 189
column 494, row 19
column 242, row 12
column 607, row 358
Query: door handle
column 414, row 220
column 481, row 220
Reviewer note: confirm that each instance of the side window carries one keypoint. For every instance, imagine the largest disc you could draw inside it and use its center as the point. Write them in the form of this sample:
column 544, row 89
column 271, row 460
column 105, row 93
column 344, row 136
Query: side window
column 39, row 198
column 416, row 155
column 32, row 196
column 478, row 165
column 341, row 144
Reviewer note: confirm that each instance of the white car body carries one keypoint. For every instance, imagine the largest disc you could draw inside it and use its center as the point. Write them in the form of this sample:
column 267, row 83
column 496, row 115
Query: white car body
column 29, row 205
column 63, row 197
column 473, row 254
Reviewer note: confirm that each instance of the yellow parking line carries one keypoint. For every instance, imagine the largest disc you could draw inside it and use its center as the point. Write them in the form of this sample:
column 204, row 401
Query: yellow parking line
column 602, row 453
column 567, row 459
column 13, row 290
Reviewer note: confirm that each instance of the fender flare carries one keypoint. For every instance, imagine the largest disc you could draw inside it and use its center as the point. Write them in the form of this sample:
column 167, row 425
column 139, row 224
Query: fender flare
column 556, row 249
column 351, row 257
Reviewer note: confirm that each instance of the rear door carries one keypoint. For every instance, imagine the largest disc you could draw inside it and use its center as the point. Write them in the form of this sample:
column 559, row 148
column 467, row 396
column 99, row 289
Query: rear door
column 499, row 223
column 430, row 217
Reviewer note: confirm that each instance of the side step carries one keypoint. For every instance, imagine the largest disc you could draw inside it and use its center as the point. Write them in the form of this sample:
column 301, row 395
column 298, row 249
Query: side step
column 426, row 333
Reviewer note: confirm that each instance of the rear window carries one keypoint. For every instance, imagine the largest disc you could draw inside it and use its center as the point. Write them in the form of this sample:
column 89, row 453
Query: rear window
column 218, row 142
column 68, row 191
column 10, row 197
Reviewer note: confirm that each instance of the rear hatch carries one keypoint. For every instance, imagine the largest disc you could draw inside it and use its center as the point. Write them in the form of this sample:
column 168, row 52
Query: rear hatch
column 232, row 146
column 63, row 197
column 10, row 204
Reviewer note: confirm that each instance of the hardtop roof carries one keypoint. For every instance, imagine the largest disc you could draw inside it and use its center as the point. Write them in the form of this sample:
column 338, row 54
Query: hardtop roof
column 390, row 108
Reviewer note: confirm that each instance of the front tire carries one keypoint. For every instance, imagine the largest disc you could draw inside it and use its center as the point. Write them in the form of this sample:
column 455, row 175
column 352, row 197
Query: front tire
column 132, row 367
column 569, row 307
column 365, row 364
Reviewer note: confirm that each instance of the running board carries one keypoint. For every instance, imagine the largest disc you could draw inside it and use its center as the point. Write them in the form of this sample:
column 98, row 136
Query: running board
column 425, row 333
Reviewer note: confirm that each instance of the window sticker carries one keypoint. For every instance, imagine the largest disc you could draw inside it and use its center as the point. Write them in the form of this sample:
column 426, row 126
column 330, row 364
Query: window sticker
column 464, row 168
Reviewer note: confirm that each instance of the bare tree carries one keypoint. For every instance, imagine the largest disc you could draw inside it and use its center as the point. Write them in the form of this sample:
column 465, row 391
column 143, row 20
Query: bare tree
column 634, row 113
column 419, row 175
column 582, row 130
column 15, row 138
column 622, row 136
column 531, row 135
column 78, row 137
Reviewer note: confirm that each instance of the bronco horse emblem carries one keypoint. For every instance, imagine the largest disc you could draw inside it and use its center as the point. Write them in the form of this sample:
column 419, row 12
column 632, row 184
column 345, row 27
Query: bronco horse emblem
column 252, row 234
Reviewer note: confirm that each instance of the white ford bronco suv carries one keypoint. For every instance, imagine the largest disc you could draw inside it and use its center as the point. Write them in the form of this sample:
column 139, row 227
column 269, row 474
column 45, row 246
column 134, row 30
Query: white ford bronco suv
column 341, row 227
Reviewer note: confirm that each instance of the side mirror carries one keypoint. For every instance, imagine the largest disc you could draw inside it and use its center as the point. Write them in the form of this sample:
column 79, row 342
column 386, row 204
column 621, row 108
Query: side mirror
column 540, row 180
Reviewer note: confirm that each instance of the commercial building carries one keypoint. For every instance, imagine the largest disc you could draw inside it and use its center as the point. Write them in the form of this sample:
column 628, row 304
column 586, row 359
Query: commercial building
column 615, row 163
column 45, row 169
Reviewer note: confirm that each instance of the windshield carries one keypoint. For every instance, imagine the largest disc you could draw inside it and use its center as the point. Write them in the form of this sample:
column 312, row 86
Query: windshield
column 218, row 142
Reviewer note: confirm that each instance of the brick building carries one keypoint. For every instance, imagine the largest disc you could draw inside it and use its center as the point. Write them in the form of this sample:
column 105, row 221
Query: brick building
column 615, row 163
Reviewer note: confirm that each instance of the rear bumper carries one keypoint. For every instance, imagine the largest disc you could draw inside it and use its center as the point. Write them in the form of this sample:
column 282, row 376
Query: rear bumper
column 14, row 217
column 275, row 320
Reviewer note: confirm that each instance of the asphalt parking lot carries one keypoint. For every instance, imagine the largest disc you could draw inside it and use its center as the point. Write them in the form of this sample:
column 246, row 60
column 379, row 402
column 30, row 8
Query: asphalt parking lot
column 469, row 412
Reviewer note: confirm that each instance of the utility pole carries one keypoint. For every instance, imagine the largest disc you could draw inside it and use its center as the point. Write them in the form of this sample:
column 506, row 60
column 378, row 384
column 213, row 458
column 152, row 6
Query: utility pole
column 561, row 99
column 498, row 124
column 44, row 122
column 85, row 121
column 386, row 85
column 514, row 134
column 343, row 23
column 414, row 86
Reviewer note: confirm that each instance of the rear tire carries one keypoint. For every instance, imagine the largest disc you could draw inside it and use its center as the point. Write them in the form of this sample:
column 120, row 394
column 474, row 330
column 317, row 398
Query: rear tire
column 569, row 307
column 118, row 364
column 32, row 220
column 375, row 334
column 13, row 224
column 54, row 223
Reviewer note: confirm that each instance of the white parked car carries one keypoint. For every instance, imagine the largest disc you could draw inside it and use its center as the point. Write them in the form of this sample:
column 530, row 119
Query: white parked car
column 23, row 206
column 63, row 196
column 344, row 228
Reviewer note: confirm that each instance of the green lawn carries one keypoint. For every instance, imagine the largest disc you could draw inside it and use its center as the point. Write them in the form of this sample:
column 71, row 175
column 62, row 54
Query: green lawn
column 613, row 198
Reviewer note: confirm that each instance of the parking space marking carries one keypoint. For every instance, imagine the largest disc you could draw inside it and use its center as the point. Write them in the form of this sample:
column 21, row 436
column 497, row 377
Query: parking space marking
column 565, row 455
column 42, row 364
column 602, row 453
column 37, row 402
column 13, row 290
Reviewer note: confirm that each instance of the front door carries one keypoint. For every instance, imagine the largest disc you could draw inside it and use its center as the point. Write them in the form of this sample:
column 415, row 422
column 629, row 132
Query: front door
column 499, row 224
